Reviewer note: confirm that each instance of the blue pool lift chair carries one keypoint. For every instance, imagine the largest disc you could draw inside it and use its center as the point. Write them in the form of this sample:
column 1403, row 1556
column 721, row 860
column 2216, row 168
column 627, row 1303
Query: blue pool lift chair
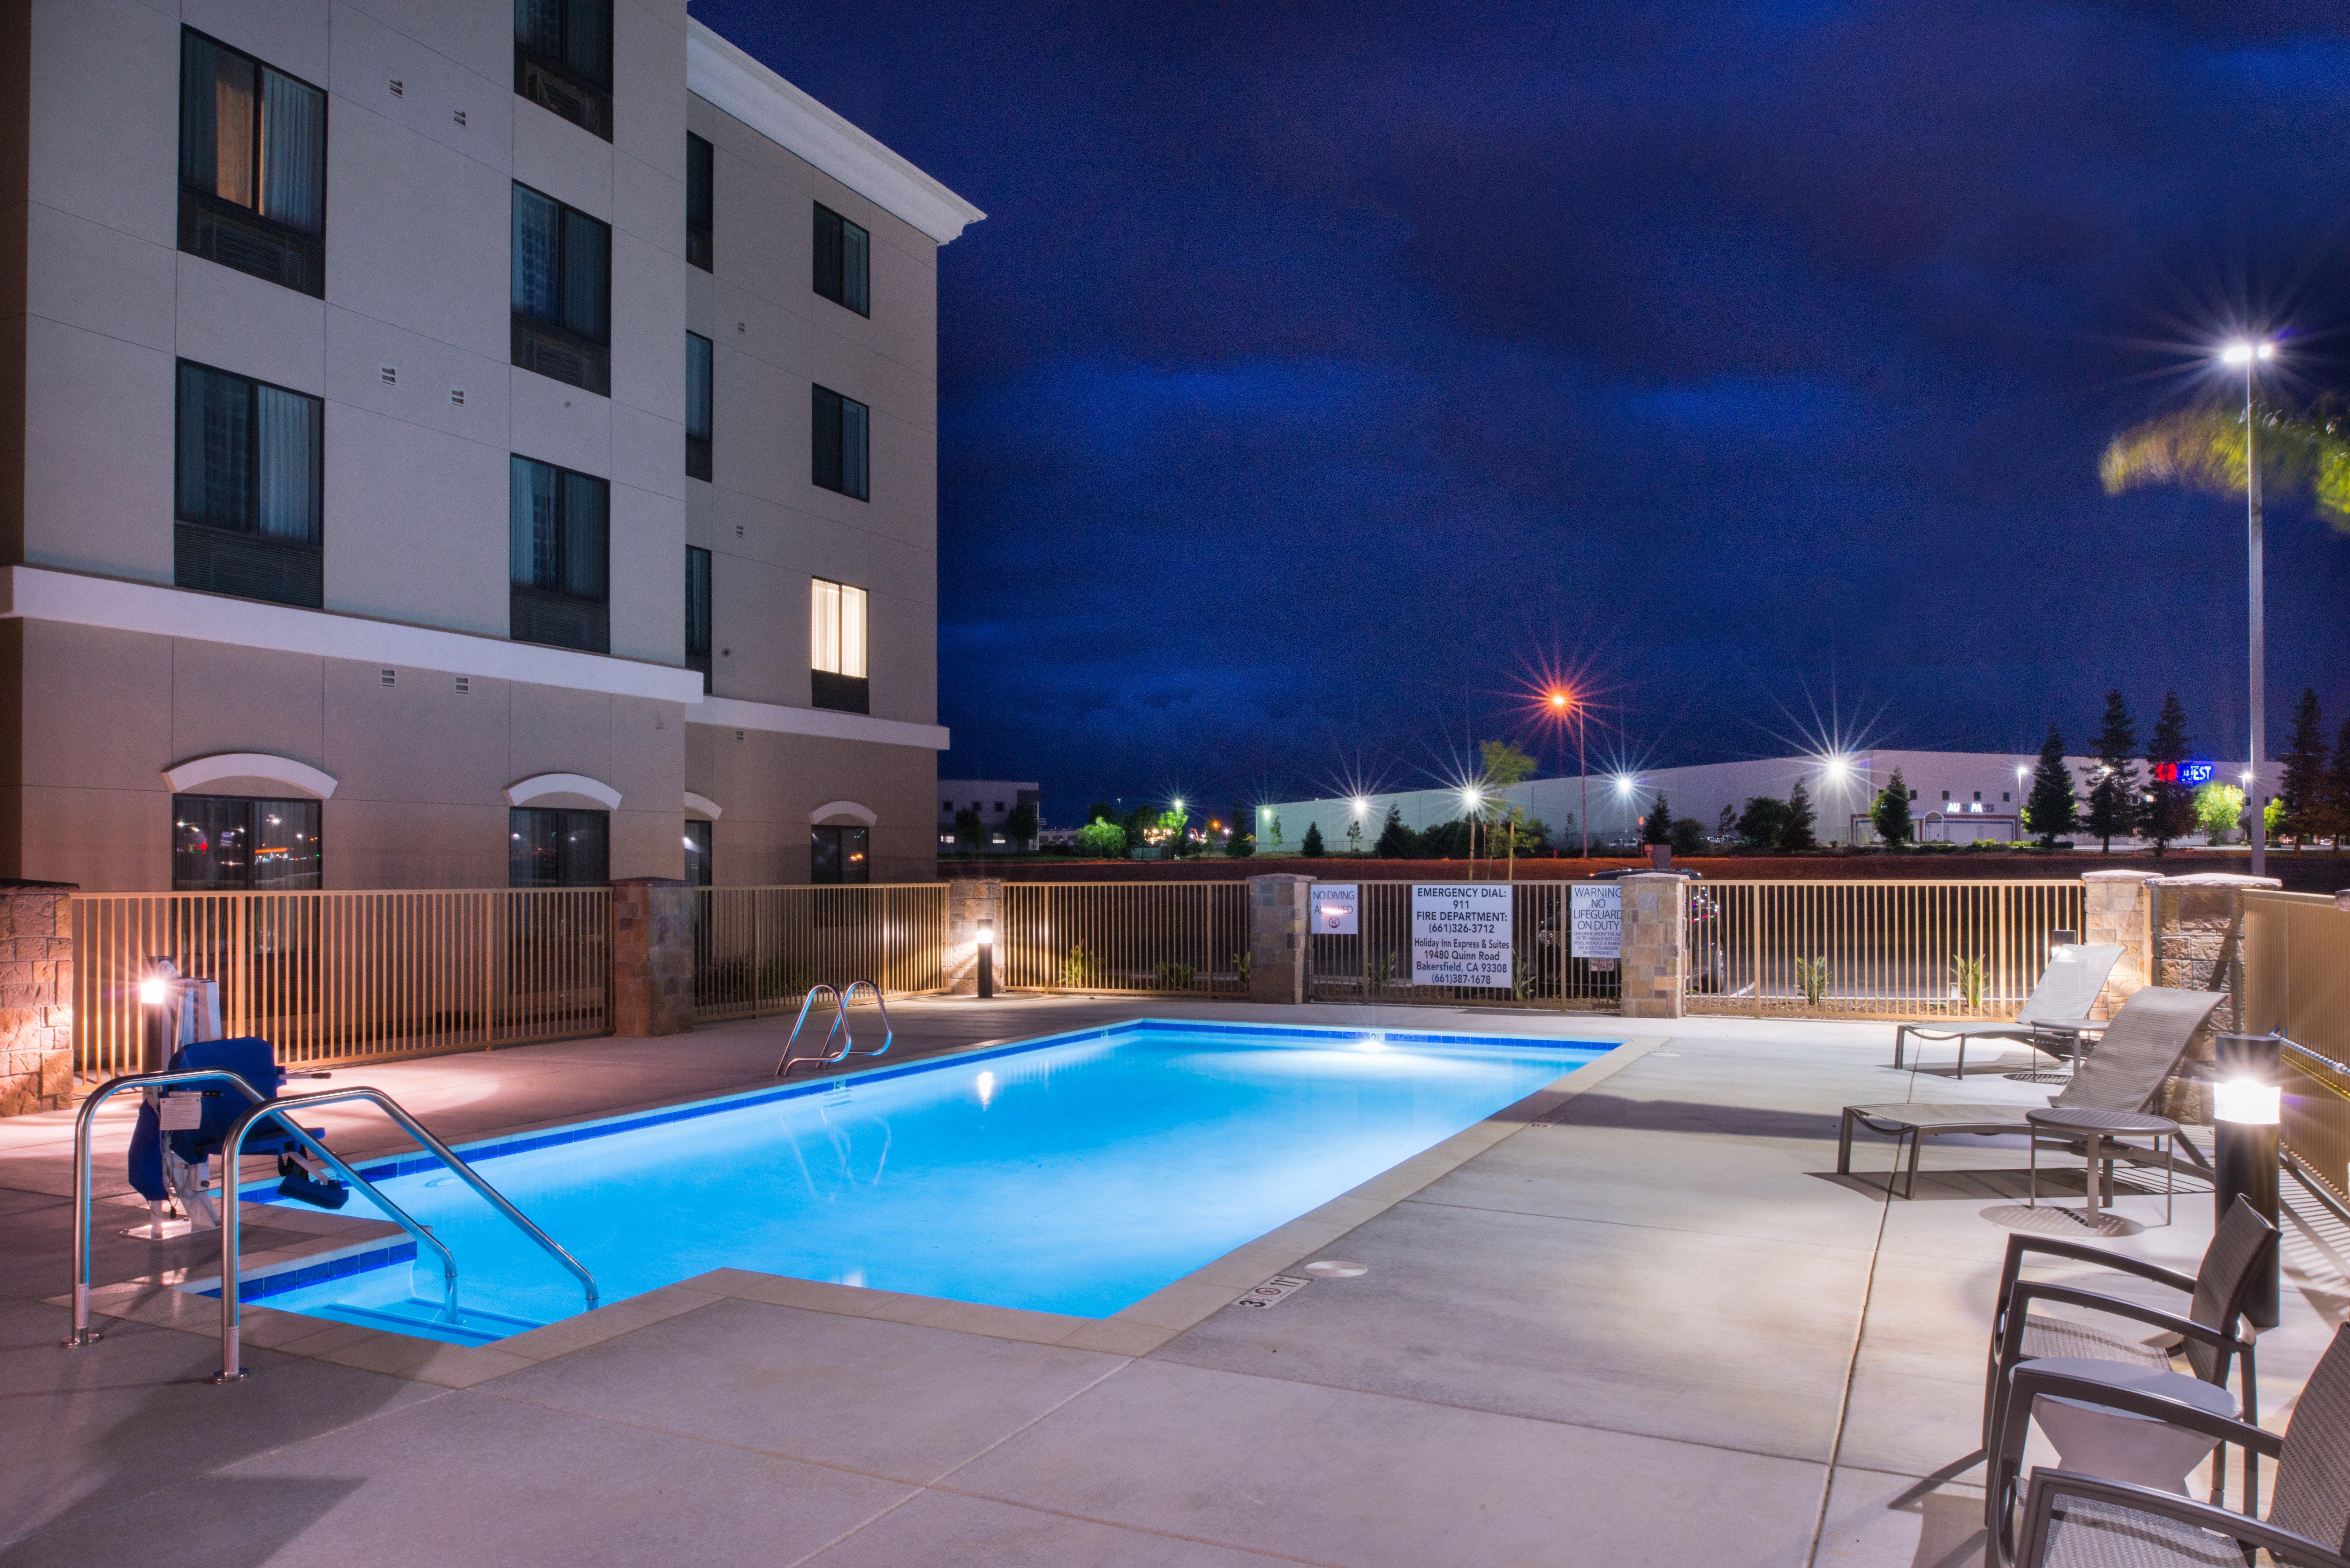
column 167, row 1163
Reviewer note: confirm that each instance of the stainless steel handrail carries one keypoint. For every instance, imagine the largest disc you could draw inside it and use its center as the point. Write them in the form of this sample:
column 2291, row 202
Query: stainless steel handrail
column 82, row 1332
column 231, row 1312
column 839, row 1024
column 889, row 1032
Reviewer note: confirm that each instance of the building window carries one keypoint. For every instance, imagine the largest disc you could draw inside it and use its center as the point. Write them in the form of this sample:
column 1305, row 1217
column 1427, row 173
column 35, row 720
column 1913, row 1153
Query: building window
column 697, row 853
column 836, row 646
column 840, row 855
column 246, row 493
column 558, row 541
column 697, row 406
column 557, row 849
column 224, row 844
column 697, row 612
column 562, row 292
column 563, row 59
column 252, row 166
column 842, row 267
column 700, row 170
column 836, row 439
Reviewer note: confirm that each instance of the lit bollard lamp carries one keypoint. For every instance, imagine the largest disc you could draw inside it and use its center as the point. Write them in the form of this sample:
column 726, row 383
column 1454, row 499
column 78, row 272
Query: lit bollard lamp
column 2246, row 1106
column 987, row 978
column 156, row 1022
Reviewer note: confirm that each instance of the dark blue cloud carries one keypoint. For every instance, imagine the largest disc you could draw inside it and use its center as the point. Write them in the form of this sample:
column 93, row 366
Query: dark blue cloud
column 1320, row 371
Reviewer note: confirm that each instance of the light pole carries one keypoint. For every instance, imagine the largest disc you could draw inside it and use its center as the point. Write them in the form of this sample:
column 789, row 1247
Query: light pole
column 1560, row 702
column 2249, row 355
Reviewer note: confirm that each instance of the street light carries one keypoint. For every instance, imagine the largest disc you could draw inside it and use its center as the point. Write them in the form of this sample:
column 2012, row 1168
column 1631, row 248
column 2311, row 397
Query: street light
column 1561, row 703
column 2251, row 355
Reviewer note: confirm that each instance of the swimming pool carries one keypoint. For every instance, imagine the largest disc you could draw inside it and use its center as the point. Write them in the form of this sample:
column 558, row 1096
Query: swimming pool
column 1076, row 1173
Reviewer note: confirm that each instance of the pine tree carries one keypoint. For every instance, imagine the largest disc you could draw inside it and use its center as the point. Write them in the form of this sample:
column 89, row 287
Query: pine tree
column 2170, row 806
column 1240, row 843
column 2302, row 788
column 2337, row 788
column 1313, row 846
column 1657, row 827
column 2114, row 802
column 1891, row 814
column 1397, row 842
column 1795, row 831
column 2050, row 812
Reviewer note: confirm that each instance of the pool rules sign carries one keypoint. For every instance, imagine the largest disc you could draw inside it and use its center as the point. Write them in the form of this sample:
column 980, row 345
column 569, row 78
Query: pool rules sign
column 1460, row 934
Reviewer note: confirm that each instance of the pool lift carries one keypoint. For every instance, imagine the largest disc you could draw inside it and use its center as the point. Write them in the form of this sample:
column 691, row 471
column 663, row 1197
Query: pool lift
column 839, row 1025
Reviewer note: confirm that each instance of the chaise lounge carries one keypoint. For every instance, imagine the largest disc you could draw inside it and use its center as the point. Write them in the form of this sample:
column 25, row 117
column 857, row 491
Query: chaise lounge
column 2052, row 1018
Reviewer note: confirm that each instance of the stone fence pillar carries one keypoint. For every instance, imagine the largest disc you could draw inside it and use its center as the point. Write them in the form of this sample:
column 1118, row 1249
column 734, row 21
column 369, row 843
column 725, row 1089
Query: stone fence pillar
column 2198, row 944
column 36, row 969
column 971, row 900
column 1279, row 920
column 1652, row 969
column 652, row 957
column 2120, row 912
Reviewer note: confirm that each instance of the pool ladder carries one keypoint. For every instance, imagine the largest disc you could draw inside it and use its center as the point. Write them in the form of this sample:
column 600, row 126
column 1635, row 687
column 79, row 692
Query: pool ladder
column 231, row 1199
column 839, row 1025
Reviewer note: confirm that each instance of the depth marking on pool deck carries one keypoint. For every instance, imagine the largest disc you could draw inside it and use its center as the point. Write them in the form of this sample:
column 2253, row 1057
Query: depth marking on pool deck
column 165, row 1300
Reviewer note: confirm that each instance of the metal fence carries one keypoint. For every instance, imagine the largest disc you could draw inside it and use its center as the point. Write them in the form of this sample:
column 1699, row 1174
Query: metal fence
column 1374, row 964
column 1873, row 950
column 758, row 949
column 1124, row 936
column 344, row 977
column 2296, row 949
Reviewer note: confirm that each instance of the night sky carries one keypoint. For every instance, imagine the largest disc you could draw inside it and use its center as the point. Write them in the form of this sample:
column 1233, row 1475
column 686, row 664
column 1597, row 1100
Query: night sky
column 1324, row 375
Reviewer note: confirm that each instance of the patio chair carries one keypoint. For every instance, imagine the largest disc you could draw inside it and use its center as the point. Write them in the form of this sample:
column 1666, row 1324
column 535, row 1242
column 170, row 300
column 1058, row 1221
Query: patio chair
column 174, row 1162
column 2142, row 1045
column 2052, row 1018
column 2073, row 1519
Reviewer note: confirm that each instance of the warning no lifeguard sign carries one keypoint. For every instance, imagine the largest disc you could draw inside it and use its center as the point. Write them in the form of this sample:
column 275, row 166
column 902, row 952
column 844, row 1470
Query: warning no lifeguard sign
column 1460, row 934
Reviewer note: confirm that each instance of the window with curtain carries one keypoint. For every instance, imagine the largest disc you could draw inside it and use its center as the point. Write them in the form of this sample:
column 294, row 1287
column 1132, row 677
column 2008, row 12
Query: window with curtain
column 247, row 484
column 229, row 844
column 701, row 172
column 697, row 406
column 839, row 444
column 558, row 848
column 252, row 166
column 842, row 261
column 563, row 59
column 836, row 627
column 558, row 543
column 697, row 612
column 562, row 263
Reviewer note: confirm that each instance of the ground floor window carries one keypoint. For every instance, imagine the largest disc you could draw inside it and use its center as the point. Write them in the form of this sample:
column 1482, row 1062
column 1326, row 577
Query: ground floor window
column 697, row 853
column 837, row 855
column 224, row 844
column 558, row 848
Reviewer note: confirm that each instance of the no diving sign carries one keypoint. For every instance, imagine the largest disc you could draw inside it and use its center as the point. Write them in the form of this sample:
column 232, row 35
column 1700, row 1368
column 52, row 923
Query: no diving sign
column 1335, row 909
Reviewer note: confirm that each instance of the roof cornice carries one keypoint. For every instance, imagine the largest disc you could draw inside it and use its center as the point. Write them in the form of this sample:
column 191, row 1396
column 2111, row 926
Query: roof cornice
column 718, row 71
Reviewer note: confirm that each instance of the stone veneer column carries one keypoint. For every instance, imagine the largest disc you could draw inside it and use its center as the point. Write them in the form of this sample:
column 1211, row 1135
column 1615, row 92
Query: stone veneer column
column 1651, row 972
column 2120, row 912
column 971, row 900
column 2197, row 941
column 652, row 957
column 37, row 970
column 1278, row 922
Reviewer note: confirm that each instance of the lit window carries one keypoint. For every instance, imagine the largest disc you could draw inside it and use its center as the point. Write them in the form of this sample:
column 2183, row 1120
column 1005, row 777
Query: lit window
column 837, row 623
column 252, row 166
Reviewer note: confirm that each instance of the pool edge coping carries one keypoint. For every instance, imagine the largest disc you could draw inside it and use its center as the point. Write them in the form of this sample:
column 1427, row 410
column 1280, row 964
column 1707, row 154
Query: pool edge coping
column 163, row 1300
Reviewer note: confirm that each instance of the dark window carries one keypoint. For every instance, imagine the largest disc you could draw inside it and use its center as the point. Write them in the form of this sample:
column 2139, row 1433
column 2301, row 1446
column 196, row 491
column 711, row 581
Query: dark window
column 558, row 543
column 248, row 488
column 842, row 268
column 697, row 612
column 252, row 166
column 557, row 849
column 562, row 292
column 836, row 438
column 226, row 844
column 563, row 59
column 840, row 855
column 699, row 169
column 697, row 853
column 697, row 406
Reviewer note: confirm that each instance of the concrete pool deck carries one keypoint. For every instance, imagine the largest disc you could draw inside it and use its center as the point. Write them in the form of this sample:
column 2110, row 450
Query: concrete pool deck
column 1649, row 1326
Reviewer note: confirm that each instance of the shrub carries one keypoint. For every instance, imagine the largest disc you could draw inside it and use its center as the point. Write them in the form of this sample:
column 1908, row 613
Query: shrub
column 1811, row 976
column 1758, row 823
column 1077, row 968
column 1102, row 840
column 1688, row 836
column 1969, row 975
column 1173, row 976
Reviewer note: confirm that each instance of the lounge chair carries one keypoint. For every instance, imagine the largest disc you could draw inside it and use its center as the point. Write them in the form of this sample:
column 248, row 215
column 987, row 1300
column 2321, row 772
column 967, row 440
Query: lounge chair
column 2142, row 1045
column 2069, row 1518
column 2052, row 1018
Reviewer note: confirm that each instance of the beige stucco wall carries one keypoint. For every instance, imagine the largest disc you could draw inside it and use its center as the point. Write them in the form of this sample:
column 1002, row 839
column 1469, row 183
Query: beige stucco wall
column 768, row 785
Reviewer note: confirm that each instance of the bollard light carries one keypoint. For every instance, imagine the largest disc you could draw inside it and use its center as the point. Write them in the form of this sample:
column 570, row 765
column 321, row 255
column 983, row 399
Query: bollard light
column 986, row 958
column 2248, row 1101
column 2246, row 1106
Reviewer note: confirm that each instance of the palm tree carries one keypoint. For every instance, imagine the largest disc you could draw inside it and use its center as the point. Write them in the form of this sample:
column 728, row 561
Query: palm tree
column 2203, row 448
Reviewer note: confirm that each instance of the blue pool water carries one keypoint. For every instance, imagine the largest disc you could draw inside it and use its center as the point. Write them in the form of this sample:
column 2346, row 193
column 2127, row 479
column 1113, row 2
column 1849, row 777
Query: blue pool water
column 1071, row 1173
